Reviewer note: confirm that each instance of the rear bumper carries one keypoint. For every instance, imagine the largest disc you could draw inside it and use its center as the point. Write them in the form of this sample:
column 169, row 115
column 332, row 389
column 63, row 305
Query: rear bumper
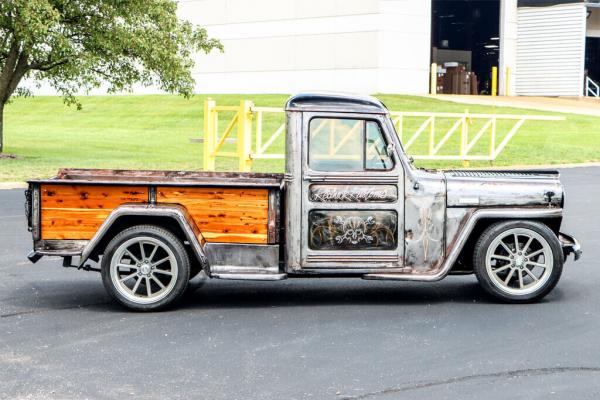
column 570, row 245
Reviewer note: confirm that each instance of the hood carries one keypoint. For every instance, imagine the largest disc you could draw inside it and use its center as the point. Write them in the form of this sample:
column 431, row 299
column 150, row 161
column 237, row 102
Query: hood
column 471, row 188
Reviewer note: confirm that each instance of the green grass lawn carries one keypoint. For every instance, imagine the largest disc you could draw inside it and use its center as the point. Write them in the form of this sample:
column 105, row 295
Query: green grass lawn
column 154, row 132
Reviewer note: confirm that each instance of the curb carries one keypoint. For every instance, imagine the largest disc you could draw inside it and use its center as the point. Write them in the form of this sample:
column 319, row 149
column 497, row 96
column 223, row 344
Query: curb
column 13, row 185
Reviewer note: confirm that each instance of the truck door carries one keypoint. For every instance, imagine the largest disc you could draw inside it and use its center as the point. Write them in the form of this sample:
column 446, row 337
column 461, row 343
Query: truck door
column 352, row 194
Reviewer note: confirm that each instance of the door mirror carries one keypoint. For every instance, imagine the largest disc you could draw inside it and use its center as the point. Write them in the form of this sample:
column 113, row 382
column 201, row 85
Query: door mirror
column 390, row 150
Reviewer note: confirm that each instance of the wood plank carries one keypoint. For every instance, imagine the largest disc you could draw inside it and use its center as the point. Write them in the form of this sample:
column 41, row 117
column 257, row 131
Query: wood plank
column 232, row 215
column 233, row 238
column 77, row 211
column 91, row 197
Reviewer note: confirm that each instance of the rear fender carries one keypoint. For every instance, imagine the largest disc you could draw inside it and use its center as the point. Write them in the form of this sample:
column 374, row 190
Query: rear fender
column 176, row 212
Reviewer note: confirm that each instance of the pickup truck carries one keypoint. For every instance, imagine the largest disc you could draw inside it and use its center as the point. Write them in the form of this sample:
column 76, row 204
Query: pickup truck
column 350, row 204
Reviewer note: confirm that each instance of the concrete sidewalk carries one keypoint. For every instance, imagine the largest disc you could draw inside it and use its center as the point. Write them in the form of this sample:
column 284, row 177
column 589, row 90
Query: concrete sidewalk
column 573, row 105
column 13, row 185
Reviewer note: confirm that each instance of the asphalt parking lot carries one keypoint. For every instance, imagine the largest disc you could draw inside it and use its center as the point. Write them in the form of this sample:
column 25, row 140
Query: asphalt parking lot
column 61, row 337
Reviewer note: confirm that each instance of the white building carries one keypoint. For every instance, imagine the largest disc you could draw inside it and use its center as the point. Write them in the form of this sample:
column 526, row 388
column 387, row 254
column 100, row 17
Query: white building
column 387, row 46
column 282, row 46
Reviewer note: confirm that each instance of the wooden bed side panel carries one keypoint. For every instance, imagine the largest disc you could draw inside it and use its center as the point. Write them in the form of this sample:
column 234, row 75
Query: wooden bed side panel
column 77, row 211
column 224, row 214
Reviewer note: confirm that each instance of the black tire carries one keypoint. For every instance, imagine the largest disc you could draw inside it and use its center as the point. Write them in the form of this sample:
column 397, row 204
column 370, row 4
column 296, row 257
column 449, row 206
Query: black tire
column 180, row 264
column 492, row 286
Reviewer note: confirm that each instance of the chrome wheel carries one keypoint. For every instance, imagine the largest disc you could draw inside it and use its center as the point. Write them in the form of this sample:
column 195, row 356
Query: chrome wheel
column 144, row 270
column 519, row 261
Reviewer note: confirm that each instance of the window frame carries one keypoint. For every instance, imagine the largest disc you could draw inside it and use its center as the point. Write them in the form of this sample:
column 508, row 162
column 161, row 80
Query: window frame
column 385, row 142
column 364, row 121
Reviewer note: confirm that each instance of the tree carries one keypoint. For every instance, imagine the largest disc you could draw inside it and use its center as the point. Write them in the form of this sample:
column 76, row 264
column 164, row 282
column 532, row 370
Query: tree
column 77, row 45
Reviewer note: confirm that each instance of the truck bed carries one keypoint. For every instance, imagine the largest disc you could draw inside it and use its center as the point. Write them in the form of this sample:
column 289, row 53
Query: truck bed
column 226, row 207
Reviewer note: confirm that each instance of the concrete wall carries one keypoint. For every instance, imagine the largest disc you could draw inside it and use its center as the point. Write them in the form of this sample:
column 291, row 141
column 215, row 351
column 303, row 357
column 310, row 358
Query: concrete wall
column 404, row 47
column 284, row 46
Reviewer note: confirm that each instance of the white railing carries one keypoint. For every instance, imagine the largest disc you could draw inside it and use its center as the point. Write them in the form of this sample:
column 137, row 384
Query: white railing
column 592, row 89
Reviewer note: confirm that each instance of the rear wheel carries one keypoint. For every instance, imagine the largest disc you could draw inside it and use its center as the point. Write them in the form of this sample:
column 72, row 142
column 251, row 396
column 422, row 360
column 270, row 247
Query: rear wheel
column 145, row 268
column 518, row 261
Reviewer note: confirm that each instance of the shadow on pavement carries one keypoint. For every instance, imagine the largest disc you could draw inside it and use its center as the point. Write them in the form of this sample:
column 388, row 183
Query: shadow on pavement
column 90, row 295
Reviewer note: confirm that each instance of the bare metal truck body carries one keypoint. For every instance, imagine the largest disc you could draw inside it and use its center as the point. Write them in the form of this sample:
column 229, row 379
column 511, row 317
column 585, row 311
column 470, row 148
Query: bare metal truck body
column 349, row 204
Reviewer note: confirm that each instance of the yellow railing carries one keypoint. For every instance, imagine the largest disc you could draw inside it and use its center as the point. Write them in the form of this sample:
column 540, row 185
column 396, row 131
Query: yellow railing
column 247, row 119
column 461, row 123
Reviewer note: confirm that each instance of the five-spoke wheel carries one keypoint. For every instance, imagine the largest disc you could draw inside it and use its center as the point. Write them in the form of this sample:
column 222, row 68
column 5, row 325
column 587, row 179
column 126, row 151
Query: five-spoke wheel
column 518, row 261
column 145, row 267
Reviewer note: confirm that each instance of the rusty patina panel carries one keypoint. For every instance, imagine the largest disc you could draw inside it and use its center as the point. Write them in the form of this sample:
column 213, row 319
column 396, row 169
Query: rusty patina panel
column 425, row 209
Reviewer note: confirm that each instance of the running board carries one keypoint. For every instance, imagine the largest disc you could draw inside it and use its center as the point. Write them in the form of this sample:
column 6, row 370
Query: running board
column 250, row 276
column 389, row 277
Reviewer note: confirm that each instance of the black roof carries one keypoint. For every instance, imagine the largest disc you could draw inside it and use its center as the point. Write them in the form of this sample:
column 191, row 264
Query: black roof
column 337, row 102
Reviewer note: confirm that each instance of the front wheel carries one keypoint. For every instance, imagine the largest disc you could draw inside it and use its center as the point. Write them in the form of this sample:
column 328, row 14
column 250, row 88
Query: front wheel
column 145, row 268
column 518, row 261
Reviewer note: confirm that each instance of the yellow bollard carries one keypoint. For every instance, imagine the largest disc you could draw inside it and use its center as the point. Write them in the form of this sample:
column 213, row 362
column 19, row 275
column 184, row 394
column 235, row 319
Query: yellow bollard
column 433, row 81
column 494, row 81
column 209, row 135
column 244, row 136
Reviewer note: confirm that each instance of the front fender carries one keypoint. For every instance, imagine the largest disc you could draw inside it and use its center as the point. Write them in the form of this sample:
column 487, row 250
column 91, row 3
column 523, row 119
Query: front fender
column 463, row 235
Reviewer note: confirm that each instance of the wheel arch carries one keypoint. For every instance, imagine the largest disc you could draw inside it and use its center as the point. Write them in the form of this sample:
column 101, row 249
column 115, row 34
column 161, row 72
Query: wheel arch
column 462, row 265
column 173, row 217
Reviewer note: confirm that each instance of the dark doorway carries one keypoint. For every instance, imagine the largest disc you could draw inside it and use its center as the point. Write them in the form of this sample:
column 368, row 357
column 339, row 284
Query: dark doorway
column 592, row 58
column 469, row 31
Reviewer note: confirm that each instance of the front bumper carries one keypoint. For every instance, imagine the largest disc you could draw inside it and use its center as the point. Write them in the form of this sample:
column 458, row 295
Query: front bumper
column 570, row 245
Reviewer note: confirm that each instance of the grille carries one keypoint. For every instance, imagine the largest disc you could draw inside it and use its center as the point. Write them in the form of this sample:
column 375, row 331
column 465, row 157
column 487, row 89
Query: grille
column 503, row 174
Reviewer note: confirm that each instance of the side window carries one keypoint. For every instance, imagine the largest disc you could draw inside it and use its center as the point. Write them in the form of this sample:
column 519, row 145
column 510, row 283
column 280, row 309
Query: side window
column 337, row 144
column 376, row 149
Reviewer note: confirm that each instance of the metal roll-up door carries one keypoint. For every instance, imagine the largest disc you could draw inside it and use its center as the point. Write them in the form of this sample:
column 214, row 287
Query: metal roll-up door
column 550, row 50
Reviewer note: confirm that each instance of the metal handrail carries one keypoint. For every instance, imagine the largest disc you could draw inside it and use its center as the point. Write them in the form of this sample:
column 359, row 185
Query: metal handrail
column 592, row 89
